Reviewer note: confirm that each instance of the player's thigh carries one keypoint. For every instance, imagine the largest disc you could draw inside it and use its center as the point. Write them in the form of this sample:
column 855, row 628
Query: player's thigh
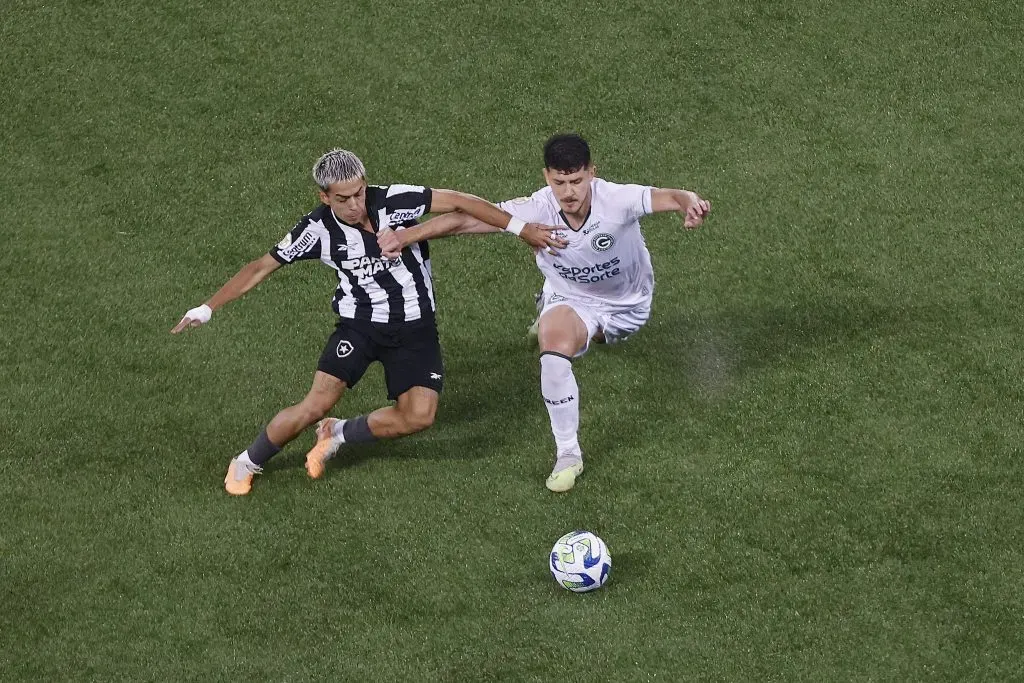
column 325, row 392
column 415, row 361
column 347, row 354
column 565, row 328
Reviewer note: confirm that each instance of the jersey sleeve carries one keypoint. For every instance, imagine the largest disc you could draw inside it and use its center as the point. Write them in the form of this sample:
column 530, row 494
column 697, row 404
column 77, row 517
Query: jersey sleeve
column 300, row 243
column 528, row 209
column 631, row 201
column 404, row 204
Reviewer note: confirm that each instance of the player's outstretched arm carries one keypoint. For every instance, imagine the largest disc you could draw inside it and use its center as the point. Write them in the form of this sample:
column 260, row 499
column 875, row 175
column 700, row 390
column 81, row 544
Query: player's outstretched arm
column 536, row 235
column 689, row 204
column 248, row 277
column 446, row 201
column 392, row 242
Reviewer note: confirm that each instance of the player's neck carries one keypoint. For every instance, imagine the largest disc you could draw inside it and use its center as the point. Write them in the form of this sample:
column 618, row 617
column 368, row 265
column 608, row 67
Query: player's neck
column 577, row 218
column 363, row 224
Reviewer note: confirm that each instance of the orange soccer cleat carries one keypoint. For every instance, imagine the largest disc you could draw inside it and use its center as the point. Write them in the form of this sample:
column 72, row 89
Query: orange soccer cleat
column 326, row 446
column 238, row 481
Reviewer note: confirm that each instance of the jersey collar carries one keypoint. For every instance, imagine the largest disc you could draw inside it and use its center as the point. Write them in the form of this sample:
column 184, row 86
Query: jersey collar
column 590, row 209
column 370, row 216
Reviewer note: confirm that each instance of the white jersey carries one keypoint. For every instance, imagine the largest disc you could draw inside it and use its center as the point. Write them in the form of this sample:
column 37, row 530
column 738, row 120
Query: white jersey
column 606, row 260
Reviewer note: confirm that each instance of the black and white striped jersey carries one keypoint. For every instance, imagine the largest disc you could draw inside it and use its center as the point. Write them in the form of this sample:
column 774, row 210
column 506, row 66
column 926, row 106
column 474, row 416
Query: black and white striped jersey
column 370, row 287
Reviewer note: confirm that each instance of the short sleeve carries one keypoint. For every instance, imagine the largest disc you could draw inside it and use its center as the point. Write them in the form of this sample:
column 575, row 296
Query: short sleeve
column 404, row 204
column 633, row 201
column 529, row 209
column 300, row 243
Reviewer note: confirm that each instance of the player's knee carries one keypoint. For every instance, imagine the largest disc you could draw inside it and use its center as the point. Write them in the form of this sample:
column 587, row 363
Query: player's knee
column 564, row 346
column 418, row 417
column 417, row 422
column 314, row 409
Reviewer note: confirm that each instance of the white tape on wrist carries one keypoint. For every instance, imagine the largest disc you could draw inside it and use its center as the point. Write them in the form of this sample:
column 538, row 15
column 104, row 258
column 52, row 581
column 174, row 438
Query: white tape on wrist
column 200, row 313
column 515, row 226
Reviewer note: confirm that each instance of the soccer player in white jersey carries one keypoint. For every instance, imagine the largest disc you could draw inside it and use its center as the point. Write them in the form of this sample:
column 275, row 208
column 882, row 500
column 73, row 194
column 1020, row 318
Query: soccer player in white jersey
column 599, row 287
column 385, row 310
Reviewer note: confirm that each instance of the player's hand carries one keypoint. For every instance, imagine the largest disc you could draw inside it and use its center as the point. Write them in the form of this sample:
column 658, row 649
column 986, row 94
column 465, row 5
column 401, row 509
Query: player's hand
column 390, row 244
column 542, row 237
column 193, row 318
column 697, row 211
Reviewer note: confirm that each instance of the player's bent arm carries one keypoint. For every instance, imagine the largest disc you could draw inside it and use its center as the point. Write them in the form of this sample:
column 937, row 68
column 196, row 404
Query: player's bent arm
column 689, row 204
column 664, row 199
column 245, row 279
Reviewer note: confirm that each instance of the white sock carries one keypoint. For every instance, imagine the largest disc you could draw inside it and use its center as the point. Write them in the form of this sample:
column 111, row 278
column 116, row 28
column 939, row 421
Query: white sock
column 244, row 459
column 562, row 398
column 337, row 431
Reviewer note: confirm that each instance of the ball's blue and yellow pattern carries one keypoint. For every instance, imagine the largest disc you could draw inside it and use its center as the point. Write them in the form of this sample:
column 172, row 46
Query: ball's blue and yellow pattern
column 580, row 561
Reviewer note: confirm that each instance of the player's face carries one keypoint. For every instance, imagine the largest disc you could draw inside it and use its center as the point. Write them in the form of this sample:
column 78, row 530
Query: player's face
column 572, row 190
column 347, row 199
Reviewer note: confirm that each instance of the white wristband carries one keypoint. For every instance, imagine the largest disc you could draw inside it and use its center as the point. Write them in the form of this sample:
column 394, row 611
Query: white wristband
column 515, row 226
column 200, row 313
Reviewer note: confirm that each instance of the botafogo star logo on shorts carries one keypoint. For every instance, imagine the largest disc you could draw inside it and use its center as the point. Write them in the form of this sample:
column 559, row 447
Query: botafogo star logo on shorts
column 344, row 348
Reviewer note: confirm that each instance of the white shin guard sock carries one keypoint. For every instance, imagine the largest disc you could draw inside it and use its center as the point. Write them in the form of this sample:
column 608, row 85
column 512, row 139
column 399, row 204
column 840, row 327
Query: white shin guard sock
column 562, row 398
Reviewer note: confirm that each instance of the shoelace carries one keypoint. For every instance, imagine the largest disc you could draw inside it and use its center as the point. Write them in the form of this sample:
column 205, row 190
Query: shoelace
column 243, row 470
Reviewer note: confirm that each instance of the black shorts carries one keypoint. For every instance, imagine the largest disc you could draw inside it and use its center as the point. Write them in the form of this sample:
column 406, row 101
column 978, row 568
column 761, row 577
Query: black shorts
column 410, row 353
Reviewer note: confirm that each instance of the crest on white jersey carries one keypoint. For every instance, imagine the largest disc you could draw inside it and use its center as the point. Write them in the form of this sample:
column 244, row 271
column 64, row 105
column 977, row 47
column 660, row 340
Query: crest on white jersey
column 602, row 241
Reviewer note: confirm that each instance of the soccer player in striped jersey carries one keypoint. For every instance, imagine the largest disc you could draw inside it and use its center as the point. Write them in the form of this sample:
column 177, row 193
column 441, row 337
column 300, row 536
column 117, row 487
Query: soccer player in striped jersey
column 599, row 287
column 385, row 308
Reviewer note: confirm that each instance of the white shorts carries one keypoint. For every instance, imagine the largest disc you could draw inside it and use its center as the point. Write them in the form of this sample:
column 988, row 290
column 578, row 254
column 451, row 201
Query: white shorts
column 616, row 322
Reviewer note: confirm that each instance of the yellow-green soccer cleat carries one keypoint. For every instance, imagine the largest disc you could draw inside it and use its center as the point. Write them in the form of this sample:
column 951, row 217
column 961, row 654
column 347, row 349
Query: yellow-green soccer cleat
column 532, row 330
column 564, row 479
column 238, row 481
column 325, row 448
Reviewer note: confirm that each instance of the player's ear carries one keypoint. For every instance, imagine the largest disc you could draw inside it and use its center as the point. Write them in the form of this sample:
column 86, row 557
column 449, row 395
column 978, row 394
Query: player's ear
column 323, row 197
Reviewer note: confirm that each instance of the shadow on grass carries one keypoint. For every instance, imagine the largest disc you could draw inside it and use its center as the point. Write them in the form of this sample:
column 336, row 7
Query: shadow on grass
column 491, row 399
column 487, row 389
column 709, row 353
column 635, row 565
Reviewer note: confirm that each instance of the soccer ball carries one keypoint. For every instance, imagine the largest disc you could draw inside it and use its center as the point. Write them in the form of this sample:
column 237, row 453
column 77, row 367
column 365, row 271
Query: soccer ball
column 580, row 562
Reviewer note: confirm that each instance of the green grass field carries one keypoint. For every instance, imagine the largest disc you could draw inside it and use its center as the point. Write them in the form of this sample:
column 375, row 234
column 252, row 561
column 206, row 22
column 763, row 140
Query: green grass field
column 807, row 466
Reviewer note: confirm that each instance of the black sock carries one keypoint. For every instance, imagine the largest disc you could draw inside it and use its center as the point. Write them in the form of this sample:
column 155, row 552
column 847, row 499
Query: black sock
column 357, row 430
column 262, row 449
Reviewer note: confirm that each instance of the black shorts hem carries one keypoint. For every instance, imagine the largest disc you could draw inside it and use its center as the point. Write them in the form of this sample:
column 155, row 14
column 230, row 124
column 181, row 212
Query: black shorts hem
column 393, row 394
column 340, row 376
